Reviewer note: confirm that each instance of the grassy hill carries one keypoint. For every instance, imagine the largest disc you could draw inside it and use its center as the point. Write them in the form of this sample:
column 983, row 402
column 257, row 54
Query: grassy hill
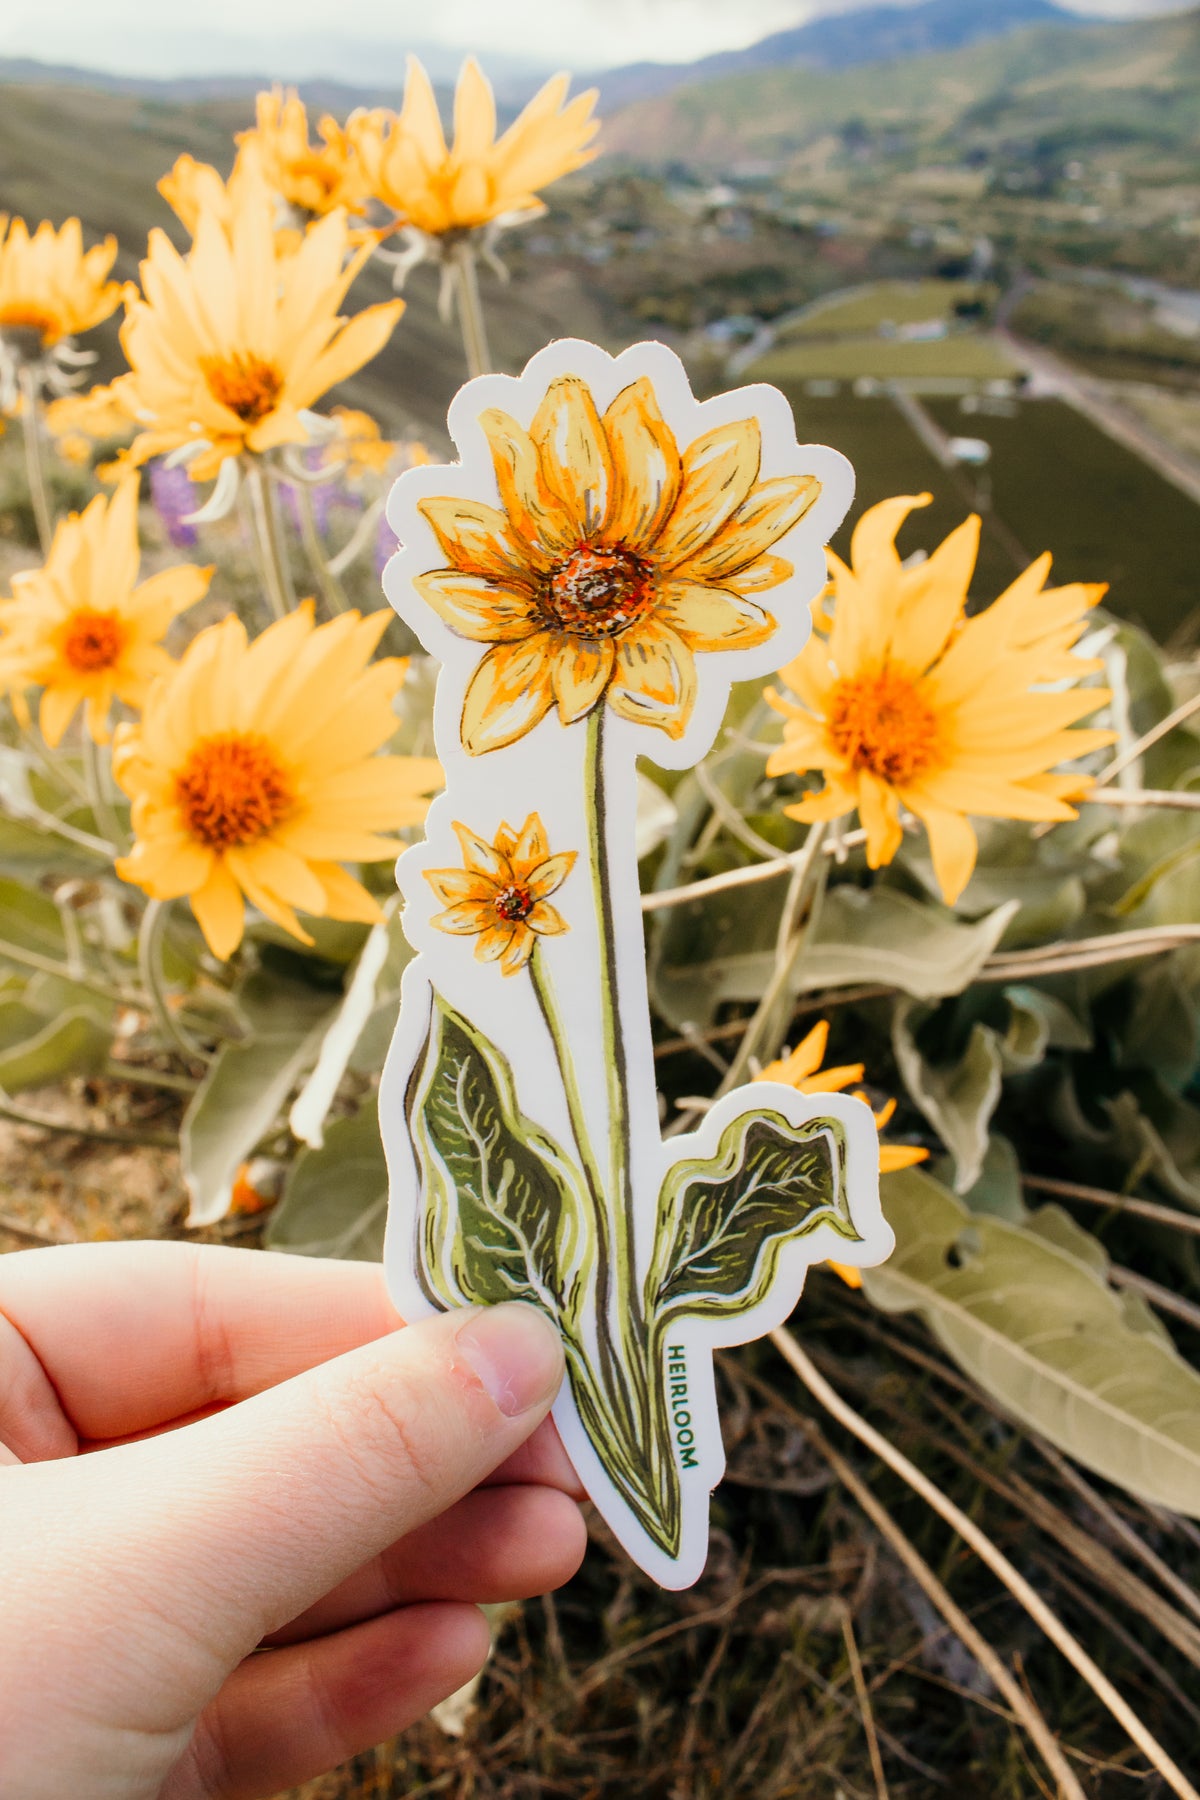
column 1141, row 80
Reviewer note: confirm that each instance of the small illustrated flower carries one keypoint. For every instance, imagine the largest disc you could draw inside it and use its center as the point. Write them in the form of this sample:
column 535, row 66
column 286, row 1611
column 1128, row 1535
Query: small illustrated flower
column 904, row 701
column 232, row 342
column 312, row 179
column 802, row 1070
column 501, row 894
column 50, row 286
column 81, row 629
column 481, row 180
column 616, row 556
column 253, row 774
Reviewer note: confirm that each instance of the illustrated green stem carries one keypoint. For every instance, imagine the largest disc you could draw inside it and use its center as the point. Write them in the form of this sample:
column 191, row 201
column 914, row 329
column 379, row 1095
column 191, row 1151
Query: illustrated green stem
column 34, row 471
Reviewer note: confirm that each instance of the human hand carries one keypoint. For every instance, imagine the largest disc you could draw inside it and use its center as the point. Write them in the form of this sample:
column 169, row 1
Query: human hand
column 239, row 1490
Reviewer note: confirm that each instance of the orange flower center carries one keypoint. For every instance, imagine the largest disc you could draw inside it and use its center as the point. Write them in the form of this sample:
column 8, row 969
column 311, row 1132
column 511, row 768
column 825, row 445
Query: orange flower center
column 596, row 593
column 244, row 383
column 93, row 640
column 232, row 791
column 513, row 903
column 20, row 320
column 880, row 722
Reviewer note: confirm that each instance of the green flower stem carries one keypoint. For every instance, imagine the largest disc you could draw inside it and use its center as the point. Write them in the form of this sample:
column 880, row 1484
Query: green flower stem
column 470, row 310
column 31, row 433
column 48, row 965
column 787, row 952
column 99, row 798
column 150, row 966
column 332, row 590
column 268, row 540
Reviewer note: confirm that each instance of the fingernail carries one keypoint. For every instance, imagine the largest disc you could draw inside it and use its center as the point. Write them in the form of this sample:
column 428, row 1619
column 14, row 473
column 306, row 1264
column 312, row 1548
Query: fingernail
column 516, row 1352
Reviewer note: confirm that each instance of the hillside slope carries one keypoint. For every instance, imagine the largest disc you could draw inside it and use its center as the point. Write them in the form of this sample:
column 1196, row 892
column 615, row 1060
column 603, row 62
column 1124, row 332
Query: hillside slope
column 1140, row 78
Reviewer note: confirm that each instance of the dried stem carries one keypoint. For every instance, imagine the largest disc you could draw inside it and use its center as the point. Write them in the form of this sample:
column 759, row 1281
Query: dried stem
column 470, row 311
column 267, row 540
column 1126, row 1203
column 864, row 1707
column 150, row 967
column 104, row 1134
column 1130, row 755
column 331, row 588
column 989, row 1553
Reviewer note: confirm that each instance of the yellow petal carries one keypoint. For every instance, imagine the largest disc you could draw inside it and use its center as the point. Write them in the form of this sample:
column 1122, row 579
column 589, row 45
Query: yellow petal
column 219, row 911
column 537, row 520
column 874, row 535
column 878, row 809
column 654, row 682
column 581, row 670
column 475, row 607
column 573, row 454
column 719, row 470
column 772, row 509
column 952, row 845
column 509, row 693
column 478, row 540
column 646, row 466
column 712, row 618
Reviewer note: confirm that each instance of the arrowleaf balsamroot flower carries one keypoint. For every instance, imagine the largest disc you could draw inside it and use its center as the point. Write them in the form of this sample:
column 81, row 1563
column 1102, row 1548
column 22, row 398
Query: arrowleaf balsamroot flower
column 313, row 179
column 615, row 557
column 501, row 894
column 253, row 774
column 232, row 342
column 802, row 1070
column 82, row 629
column 480, row 180
column 50, row 286
column 904, row 701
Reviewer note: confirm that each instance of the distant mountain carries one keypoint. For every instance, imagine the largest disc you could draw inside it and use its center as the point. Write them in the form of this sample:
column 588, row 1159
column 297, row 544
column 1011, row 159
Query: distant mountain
column 844, row 40
column 1133, row 82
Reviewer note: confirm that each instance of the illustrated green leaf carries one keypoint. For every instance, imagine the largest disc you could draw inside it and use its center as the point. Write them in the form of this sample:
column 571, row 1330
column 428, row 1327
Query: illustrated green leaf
column 246, row 1085
column 335, row 1201
column 1032, row 1319
column 501, row 1215
column 723, row 1220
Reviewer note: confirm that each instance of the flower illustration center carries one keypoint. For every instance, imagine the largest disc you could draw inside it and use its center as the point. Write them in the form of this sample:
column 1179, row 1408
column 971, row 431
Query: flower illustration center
column 232, row 791
column 880, row 723
column 244, row 383
column 28, row 328
column 93, row 640
column 597, row 593
column 513, row 903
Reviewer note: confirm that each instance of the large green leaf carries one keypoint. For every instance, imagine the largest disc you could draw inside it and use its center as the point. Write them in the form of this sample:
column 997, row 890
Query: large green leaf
column 1036, row 1324
column 74, row 1043
column 723, row 1220
column 335, row 1201
column 501, row 1216
column 246, row 1086
column 958, row 1099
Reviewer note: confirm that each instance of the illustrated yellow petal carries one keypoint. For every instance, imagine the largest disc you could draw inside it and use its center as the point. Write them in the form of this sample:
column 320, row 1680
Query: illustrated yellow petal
column 546, row 920
column 539, row 522
column 509, row 693
column 478, row 539
column 654, row 682
column 479, row 857
column 772, row 509
column 719, row 469
column 573, row 454
column 646, row 465
column 712, row 618
column 581, row 670
column 477, row 608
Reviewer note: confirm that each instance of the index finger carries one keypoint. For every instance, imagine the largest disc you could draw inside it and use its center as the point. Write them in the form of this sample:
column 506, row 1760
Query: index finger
column 134, row 1335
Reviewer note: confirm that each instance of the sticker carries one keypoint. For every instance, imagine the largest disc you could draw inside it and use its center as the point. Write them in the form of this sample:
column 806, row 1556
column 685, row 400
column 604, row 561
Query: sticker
column 606, row 558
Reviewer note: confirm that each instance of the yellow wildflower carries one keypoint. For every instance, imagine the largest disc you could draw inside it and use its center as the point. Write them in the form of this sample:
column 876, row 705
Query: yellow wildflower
column 77, row 422
column 906, row 702
column 191, row 188
column 82, row 629
column 802, row 1070
column 359, row 446
column 50, row 286
column 253, row 774
column 314, row 179
column 407, row 164
column 234, row 340
column 501, row 894
column 615, row 558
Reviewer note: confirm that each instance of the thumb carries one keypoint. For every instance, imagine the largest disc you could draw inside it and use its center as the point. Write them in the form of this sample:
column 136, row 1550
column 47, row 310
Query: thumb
column 231, row 1526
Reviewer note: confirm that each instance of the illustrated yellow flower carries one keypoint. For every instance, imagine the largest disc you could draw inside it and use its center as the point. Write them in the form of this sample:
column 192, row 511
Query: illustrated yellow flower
column 906, row 702
column 616, row 557
column 501, row 894
column 253, row 774
column 82, row 629
column 312, row 178
column 50, row 286
column 802, row 1070
column 234, row 340
column 407, row 165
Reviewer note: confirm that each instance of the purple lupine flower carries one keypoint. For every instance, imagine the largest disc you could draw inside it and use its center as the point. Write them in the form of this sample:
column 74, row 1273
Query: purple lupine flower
column 175, row 495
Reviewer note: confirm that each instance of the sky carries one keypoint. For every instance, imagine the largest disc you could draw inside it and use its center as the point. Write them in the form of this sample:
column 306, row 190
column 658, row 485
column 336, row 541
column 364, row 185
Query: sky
column 293, row 37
